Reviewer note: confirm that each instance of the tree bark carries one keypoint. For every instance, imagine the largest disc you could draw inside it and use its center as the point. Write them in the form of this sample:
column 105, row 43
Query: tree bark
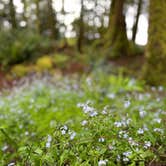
column 117, row 29
column 24, row 2
column 135, row 27
column 38, row 22
column 81, row 29
column 51, row 19
column 12, row 14
column 155, row 67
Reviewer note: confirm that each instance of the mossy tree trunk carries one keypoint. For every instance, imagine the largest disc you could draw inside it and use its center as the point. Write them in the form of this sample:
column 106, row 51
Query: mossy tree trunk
column 38, row 22
column 12, row 13
column 52, row 20
column 24, row 2
column 117, row 30
column 81, row 29
column 155, row 66
column 135, row 27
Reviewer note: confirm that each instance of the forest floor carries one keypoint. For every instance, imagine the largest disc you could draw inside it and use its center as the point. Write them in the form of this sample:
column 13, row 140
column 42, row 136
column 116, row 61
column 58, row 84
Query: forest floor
column 132, row 65
column 94, row 119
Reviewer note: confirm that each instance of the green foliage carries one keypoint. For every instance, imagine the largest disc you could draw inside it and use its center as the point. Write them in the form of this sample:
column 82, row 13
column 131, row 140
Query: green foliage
column 18, row 46
column 60, row 60
column 82, row 121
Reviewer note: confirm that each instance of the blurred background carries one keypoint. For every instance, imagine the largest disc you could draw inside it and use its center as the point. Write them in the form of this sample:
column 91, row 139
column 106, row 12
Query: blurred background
column 68, row 36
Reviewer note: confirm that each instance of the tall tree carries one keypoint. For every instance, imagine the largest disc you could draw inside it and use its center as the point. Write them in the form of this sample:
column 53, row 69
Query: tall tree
column 117, row 29
column 81, row 29
column 135, row 27
column 24, row 2
column 38, row 19
column 12, row 13
column 155, row 67
column 51, row 20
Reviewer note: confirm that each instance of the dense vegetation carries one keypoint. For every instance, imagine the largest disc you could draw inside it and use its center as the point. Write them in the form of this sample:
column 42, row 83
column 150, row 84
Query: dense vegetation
column 104, row 120
column 76, row 88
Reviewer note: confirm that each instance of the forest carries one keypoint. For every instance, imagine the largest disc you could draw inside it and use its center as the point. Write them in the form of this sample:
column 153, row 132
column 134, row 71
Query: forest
column 82, row 82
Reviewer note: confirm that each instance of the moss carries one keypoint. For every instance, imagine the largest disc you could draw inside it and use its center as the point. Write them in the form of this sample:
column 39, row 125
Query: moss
column 44, row 63
column 155, row 67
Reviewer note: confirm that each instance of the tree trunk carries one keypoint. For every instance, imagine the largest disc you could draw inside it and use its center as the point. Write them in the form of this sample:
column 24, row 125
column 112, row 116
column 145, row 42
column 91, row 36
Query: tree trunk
column 51, row 20
column 12, row 14
column 111, row 12
column 135, row 27
column 118, row 37
column 24, row 2
column 81, row 29
column 155, row 67
column 38, row 22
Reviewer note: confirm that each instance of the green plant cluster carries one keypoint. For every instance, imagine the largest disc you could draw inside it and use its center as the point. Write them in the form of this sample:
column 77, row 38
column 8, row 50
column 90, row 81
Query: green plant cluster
column 95, row 120
column 19, row 46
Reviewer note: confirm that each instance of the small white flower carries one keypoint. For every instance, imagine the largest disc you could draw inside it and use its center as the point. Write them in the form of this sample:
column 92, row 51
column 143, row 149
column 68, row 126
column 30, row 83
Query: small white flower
column 102, row 162
column 140, row 131
column 160, row 88
column 48, row 144
column 84, row 122
column 125, row 159
column 118, row 124
column 147, row 144
column 127, row 154
column 142, row 113
column 140, row 97
column 11, row 164
column 49, row 139
column 26, row 133
column 158, row 130
column 127, row 104
column 63, row 132
column 104, row 112
column 93, row 113
column 72, row 136
column 101, row 139
column 87, row 109
column 125, row 135
column 4, row 148
column 157, row 120
column 111, row 95
column 118, row 158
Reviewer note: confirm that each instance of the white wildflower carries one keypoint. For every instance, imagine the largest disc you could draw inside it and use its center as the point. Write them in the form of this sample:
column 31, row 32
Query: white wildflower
column 127, row 154
column 118, row 124
column 158, row 130
column 84, row 122
column 49, row 139
column 11, row 164
column 111, row 95
column 102, row 162
column 127, row 104
column 147, row 144
column 63, row 132
column 93, row 113
column 160, row 88
column 157, row 120
column 125, row 159
column 140, row 131
column 72, row 136
column 142, row 113
column 101, row 139
column 4, row 147
column 48, row 144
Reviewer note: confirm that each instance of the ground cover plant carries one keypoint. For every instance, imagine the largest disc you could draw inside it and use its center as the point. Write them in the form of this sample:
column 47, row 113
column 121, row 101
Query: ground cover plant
column 99, row 119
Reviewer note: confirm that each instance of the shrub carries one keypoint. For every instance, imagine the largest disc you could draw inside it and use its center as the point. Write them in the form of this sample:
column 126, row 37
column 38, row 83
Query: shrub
column 19, row 70
column 18, row 46
column 60, row 60
column 44, row 63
